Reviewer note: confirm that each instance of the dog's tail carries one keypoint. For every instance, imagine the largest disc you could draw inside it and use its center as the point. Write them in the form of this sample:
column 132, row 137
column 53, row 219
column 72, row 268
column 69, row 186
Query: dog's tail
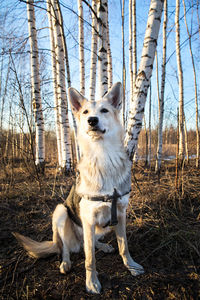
column 37, row 249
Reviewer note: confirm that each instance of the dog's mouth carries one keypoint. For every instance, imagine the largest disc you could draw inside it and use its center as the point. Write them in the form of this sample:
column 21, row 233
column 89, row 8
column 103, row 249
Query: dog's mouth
column 96, row 130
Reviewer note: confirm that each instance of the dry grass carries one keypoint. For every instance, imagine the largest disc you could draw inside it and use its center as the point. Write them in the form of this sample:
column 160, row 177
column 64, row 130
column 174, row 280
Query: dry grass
column 163, row 232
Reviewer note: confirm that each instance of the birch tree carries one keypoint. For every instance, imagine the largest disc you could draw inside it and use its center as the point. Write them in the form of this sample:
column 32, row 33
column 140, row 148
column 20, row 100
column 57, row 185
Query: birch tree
column 149, row 137
column 81, row 47
column 137, row 103
column 102, row 45
column 35, row 81
column 61, row 90
column 55, row 84
column 134, row 40
column 92, row 87
column 161, row 94
column 195, row 87
column 110, row 71
column 130, row 50
column 124, row 66
column 180, row 80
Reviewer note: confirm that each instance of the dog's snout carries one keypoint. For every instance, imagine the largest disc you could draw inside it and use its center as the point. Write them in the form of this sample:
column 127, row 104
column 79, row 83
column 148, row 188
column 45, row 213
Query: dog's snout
column 93, row 121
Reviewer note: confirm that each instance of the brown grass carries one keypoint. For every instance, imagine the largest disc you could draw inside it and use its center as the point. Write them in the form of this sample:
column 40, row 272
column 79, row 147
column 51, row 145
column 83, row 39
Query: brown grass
column 163, row 232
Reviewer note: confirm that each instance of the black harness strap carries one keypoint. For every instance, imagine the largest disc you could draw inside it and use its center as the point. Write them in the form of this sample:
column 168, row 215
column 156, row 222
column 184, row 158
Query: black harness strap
column 72, row 204
column 113, row 199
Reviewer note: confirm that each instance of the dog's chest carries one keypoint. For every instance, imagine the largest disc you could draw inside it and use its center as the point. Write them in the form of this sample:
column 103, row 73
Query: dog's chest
column 99, row 213
column 100, row 174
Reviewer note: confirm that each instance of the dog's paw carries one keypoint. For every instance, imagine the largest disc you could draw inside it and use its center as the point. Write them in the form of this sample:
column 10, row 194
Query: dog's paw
column 106, row 248
column 92, row 283
column 135, row 269
column 65, row 266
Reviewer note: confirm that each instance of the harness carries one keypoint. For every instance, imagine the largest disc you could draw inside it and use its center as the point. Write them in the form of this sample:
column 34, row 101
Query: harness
column 73, row 200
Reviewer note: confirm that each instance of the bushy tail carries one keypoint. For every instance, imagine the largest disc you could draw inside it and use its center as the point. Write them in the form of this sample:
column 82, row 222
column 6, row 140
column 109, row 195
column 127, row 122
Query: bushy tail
column 37, row 249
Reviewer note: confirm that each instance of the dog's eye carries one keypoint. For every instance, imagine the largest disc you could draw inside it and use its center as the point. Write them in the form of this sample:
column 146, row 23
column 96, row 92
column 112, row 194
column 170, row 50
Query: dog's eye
column 103, row 110
column 85, row 112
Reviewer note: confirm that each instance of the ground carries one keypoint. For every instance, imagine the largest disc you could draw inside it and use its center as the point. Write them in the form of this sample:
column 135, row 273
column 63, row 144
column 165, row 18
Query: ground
column 163, row 232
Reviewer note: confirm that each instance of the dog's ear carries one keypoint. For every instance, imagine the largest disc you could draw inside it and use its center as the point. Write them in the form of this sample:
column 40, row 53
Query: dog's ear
column 76, row 99
column 114, row 96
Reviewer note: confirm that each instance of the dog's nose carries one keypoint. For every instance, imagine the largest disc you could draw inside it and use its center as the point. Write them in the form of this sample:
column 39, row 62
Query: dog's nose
column 93, row 121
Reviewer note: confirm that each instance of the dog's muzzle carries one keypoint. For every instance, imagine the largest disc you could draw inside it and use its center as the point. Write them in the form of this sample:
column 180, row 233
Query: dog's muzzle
column 94, row 125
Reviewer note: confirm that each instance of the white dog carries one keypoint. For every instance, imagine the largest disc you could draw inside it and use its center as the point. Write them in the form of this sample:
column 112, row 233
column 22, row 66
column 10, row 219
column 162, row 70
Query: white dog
column 100, row 197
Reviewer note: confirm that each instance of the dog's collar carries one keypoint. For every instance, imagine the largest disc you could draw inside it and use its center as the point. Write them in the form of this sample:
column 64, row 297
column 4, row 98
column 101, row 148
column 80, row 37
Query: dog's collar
column 109, row 198
column 106, row 198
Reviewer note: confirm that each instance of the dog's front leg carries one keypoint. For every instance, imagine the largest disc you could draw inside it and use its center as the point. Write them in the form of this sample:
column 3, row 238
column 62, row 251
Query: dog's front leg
column 120, row 230
column 92, row 283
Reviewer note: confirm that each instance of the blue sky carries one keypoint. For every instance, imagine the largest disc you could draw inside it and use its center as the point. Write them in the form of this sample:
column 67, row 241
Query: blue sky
column 15, row 26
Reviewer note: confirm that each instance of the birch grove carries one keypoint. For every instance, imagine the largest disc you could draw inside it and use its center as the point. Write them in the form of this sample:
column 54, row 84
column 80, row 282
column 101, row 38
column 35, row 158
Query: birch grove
column 35, row 82
column 137, row 104
column 91, row 45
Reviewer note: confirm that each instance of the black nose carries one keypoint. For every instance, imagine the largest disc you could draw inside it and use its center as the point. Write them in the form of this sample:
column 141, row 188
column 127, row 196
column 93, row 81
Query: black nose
column 93, row 121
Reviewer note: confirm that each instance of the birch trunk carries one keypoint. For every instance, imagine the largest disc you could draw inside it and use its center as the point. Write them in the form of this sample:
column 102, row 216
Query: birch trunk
column 186, row 141
column 81, row 48
column 195, row 87
column 35, row 80
column 64, row 44
column 110, row 70
column 180, row 78
column 102, row 44
column 61, row 90
column 134, row 40
column 130, row 50
column 149, row 138
column 161, row 94
column 124, row 69
column 141, row 86
column 55, row 84
column 93, row 54
column 68, row 81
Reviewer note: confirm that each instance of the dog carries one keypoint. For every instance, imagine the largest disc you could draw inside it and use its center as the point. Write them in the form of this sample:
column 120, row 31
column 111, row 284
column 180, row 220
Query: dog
column 98, row 201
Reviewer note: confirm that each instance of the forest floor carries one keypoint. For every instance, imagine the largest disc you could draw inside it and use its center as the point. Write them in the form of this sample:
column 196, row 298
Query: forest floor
column 163, row 229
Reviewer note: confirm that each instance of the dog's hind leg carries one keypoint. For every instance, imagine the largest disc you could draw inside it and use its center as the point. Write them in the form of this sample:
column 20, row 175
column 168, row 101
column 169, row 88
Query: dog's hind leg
column 120, row 230
column 63, row 230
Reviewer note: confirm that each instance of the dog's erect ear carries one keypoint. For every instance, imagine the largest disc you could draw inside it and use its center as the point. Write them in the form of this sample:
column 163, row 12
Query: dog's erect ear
column 114, row 96
column 76, row 99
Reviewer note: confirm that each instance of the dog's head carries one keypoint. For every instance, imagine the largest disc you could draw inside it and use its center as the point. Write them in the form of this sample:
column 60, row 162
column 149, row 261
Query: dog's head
column 97, row 119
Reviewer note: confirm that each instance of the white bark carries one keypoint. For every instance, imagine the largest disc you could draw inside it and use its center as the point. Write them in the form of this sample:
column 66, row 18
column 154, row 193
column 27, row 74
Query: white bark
column 93, row 54
column 161, row 94
column 110, row 70
column 102, row 44
column 180, row 78
column 81, row 48
column 134, row 40
column 37, row 103
column 141, row 86
column 195, row 87
column 55, row 84
column 124, row 68
column 61, row 90
column 130, row 50
column 149, row 136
